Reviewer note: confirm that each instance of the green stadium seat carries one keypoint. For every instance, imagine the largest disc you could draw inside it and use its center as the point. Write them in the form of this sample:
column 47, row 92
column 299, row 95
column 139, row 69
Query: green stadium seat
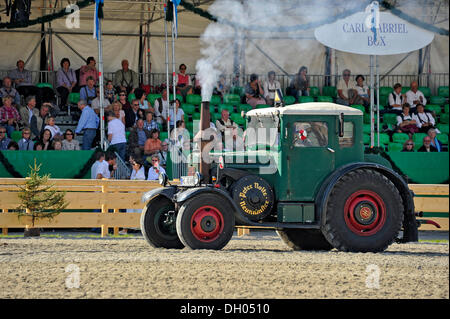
column 232, row 99
column 262, row 106
column 443, row 91
column 215, row 100
column 16, row 136
column 194, row 99
column 444, row 118
column 418, row 137
column 74, row 98
column 238, row 90
column 228, row 107
column 329, row 91
column 323, row 98
column 405, row 89
column 212, row 109
column 439, row 100
column 384, row 100
column 189, row 126
column 443, row 128
column 288, row 100
column 305, row 99
column 180, row 97
column 188, row 108
column 152, row 98
column 366, row 118
column 390, row 119
column 384, row 139
column 385, row 90
column 196, row 116
column 395, row 147
column 443, row 138
column 44, row 85
column 314, row 91
column 216, row 116
column 400, row 137
column 366, row 139
column 446, row 108
column 163, row 135
column 359, row 107
column 127, row 134
column 366, row 128
column 131, row 97
column 244, row 107
column 238, row 119
column 425, row 90
column 434, row 108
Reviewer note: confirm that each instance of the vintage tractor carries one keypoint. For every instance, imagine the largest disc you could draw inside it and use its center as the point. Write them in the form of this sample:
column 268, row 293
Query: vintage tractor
column 309, row 179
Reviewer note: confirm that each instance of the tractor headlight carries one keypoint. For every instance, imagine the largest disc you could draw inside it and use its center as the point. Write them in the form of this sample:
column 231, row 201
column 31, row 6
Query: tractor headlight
column 163, row 178
column 197, row 178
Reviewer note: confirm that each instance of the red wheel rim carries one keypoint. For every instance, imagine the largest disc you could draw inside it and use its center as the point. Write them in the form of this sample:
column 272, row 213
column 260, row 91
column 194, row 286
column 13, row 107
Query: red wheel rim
column 365, row 213
column 207, row 223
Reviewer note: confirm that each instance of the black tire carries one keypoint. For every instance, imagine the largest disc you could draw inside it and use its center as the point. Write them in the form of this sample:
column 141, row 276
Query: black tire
column 205, row 221
column 364, row 212
column 304, row 239
column 153, row 227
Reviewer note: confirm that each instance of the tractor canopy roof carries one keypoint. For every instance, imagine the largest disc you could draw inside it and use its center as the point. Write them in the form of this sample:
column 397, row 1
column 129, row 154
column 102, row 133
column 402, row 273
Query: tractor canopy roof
column 314, row 108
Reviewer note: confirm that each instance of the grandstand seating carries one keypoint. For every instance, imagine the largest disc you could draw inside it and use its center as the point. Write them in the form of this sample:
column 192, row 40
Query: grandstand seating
column 405, row 89
column 314, row 91
column 443, row 91
column 323, row 98
column 359, row 107
column 436, row 109
column 329, row 91
column 244, row 107
column 262, row 106
column 232, row 99
column 305, row 99
column 288, row 100
column 395, row 147
column 425, row 90
column 188, row 108
column 215, row 100
column 400, row 137
column 152, row 98
column 193, row 99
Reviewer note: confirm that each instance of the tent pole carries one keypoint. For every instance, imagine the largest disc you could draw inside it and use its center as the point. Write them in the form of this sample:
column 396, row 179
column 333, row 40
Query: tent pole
column 378, row 101
column 371, row 104
column 100, row 78
column 149, row 68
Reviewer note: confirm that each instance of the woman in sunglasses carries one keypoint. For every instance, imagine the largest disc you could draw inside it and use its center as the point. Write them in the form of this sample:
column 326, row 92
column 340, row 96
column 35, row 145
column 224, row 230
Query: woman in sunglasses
column 69, row 143
column 124, row 101
column 408, row 146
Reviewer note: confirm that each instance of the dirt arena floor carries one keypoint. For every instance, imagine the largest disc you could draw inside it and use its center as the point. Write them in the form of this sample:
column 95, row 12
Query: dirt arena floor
column 255, row 266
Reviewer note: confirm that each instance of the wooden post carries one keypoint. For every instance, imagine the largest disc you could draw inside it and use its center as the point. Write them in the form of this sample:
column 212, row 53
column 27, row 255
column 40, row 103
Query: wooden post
column 104, row 210
column 4, row 230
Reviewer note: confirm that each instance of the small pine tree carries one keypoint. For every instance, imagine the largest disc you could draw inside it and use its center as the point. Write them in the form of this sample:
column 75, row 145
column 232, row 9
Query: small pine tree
column 38, row 199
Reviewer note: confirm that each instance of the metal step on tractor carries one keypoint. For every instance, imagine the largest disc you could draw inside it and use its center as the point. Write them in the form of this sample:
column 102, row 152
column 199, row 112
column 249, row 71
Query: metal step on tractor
column 305, row 174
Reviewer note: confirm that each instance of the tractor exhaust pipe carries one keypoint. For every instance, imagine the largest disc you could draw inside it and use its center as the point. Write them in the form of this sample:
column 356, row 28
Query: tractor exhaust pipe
column 205, row 119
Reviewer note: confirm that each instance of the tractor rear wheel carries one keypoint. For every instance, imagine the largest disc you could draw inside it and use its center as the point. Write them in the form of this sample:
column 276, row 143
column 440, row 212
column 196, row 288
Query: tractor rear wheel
column 158, row 224
column 304, row 239
column 364, row 212
column 205, row 221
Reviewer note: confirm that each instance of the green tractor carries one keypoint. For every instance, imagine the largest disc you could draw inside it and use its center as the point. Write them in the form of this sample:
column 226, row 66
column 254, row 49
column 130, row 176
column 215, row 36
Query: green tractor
column 306, row 175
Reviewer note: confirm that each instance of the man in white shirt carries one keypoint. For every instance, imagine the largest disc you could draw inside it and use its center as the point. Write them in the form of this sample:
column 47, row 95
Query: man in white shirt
column 155, row 170
column 424, row 121
column 100, row 169
column 396, row 99
column 414, row 96
column 95, row 104
column 346, row 89
column 270, row 87
column 116, row 134
column 162, row 108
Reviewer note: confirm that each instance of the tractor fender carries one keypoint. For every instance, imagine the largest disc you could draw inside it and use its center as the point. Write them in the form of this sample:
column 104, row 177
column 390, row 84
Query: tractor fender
column 409, row 223
column 192, row 192
column 163, row 191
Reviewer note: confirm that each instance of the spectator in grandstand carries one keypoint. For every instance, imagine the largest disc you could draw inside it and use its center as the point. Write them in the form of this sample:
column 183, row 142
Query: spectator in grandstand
column 25, row 143
column 137, row 138
column 133, row 114
column 110, row 91
column 23, row 80
column 88, row 124
column 300, row 84
column 126, row 79
column 427, row 147
column 346, row 90
column 176, row 116
column 123, row 100
column 396, row 100
column 362, row 90
column 46, row 140
column 225, row 123
column 424, row 120
column 7, row 89
column 434, row 141
column 143, row 103
column 155, row 169
column 118, row 112
column 66, row 80
column 405, row 122
column 100, row 167
column 53, row 128
column 153, row 144
column 408, row 146
column 95, row 104
column 88, row 70
column 110, row 158
column 88, row 92
column 38, row 122
column 38, row 146
column 57, row 145
column 27, row 112
column 222, row 87
column 163, row 153
column 414, row 96
column 161, row 108
column 4, row 139
column 13, row 146
column 9, row 116
column 254, row 92
column 150, row 123
column 270, row 87
column 183, row 81
column 116, row 134
column 69, row 143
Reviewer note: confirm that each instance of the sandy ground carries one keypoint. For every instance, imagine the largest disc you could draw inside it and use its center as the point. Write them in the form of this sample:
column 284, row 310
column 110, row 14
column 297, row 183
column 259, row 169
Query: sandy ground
column 254, row 266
